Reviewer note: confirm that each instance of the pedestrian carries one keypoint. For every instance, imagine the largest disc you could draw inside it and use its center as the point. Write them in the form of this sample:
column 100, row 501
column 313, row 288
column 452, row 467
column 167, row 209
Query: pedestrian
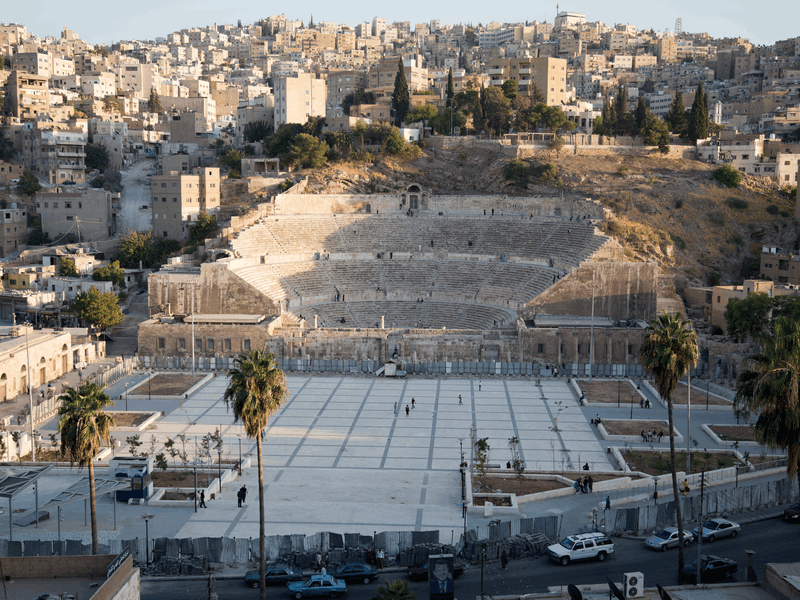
column 479, row 385
column 641, row 402
column 413, row 403
column 577, row 485
column 508, row 464
column 585, row 485
column 244, row 493
column 586, row 467
column 660, row 435
column 504, row 559
column 380, row 558
column 395, row 408
column 647, row 403
column 239, row 498
column 407, row 410
column 203, row 499
column 591, row 483
column 597, row 419
column 459, row 400
column 323, row 571
column 644, row 439
column 685, row 487
column 263, row 434
column 608, row 502
column 319, row 562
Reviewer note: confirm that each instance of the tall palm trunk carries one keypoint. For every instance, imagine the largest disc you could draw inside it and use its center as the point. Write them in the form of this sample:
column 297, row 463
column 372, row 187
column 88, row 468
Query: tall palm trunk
column 262, row 560
column 93, row 505
column 678, row 516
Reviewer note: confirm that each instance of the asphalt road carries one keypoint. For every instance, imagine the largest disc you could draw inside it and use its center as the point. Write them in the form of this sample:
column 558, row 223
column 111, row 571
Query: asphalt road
column 772, row 541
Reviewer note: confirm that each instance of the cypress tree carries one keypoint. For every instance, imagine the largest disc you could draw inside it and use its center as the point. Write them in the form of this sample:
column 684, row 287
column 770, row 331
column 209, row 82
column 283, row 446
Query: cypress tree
column 698, row 117
column 607, row 125
column 676, row 117
column 400, row 97
column 155, row 101
column 622, row 111
column 641, row 116
column 451, row 90
column 477, row 116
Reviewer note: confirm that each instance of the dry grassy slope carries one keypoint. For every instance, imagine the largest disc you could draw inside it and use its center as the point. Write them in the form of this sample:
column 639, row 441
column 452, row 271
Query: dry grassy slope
column 667, row 210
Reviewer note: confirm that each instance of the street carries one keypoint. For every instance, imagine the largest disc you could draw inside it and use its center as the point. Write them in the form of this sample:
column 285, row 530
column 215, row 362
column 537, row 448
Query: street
column 772, row 541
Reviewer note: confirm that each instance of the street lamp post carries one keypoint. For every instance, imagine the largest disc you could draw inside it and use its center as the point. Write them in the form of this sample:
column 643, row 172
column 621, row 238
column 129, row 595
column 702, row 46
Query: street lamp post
column 483, row 560
column 633, row 394
column 30, row 397
column 219, row 469
column 126, row 396
column 149, row 377
column 619, row 390
column 147, row 518
column 240, row 455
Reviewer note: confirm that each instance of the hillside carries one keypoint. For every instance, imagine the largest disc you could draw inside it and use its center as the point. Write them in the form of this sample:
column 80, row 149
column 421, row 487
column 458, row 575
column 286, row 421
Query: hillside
column 667, row 210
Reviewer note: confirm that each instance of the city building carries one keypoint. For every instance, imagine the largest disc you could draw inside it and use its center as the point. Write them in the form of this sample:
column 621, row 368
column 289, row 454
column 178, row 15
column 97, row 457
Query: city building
column 54, row 153
column 78, row 216
column 13, row 229
column 177, row 200
column 298, row 98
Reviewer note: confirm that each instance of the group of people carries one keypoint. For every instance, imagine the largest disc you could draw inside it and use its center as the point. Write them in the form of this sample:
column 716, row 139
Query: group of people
column 644, row 403
column 651, row 436
column 241, row 495
column 584, row 485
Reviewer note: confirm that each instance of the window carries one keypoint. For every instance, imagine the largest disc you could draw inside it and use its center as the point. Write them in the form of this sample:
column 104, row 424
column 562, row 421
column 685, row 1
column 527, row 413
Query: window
column 540, row 348
column 227, row 345
column 181, row 343
column 163, row 199
column 67, row 204
column 162, row 343
column 246, row 344
column 70, row 218
column 55, row 204
column 579, row 348
column 718, row 299
column 174, row 200
column 210, row 345
column 80, row 205
column 630, row 349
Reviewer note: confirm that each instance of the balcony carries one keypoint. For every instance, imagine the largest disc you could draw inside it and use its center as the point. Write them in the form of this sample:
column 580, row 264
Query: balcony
column 495, row 71
column 525, row 71
column 71, row 154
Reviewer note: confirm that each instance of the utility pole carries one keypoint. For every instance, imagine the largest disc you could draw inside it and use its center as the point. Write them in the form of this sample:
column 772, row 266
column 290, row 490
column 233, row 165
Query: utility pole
column 193, row 331
column 30, row 397
column 689, row 421
column 591, row 333
column 700, row 526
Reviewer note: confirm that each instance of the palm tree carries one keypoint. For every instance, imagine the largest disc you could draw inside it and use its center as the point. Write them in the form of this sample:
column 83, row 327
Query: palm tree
column 84, row 427
column 256, row 389
column 770, row 390
column 394, row 590
column 668, row 351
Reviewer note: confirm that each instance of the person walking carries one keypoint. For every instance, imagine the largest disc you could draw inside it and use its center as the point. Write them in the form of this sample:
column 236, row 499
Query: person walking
column 407, row 410
column 608, row 502
column 239, row 498
column 459, row 400
column 395, row 408
column 244, row 493
column 319, row 562
column 203, row 499
column 504, row 559
column 413, row 403
column 479, row 385
column 379, row 558
column 591, row 483
column 577, row 485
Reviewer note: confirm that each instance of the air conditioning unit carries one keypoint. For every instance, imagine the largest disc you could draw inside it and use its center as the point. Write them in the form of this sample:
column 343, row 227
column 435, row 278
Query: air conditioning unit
column 633, row 585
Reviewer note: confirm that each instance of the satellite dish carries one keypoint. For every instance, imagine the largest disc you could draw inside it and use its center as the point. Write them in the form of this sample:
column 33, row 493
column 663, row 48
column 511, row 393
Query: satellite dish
column 574, row 592
column 612, row 587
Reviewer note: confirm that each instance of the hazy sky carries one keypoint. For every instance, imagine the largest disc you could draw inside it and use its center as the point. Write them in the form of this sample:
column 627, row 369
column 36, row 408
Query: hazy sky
column 105, row 22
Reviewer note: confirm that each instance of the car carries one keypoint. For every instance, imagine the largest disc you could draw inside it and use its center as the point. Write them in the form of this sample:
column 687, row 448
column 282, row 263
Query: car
column 668, row 538
column 792, row 514
column 420, row 573
column 279, row 574
column 356, row 572
column 318, row 585
column 717, row 528
column 584, row 546
column 713, row 568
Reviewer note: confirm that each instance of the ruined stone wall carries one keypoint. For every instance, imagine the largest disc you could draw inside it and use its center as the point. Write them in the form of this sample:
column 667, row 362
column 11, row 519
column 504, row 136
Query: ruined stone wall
column 216, row 290
column 624, row 291
column 316, row 204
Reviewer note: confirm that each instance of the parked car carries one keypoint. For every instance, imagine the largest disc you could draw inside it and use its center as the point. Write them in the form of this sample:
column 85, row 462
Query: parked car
column 356, row 572
column 420, row 573
column 584, row 546
column 318, row 585
column 668, row 538
column 713, row 568
column 278, row 574
column 792, row 514
column 717, row 528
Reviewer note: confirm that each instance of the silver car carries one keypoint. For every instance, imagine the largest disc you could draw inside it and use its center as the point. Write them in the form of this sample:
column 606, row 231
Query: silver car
column 668, row 538
column 717, row 528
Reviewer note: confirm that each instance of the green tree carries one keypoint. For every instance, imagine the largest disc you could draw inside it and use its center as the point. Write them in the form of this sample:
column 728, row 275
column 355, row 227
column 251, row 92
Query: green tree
column 394, row 590
column 676, row 117
column 509, row 88
column 768, row 388
column 314, row 126
column 84, row 427
column 256, row 389
column 450, row 92
column 536, row 95
column 728, row 176
column 29, row 183
column 697, row 126
column 96, row 308
column 358, row 96
column 550, row 117
column 748, row 317
column 400, row 96
column 443, row 121
column 308, row 152
column 280, row 142
column 422, row 112
column 203, row 226
column 256, row 131
column 496, row 110
column 37, row 237
column 112, row 272
column 394, row 144
column 621, row 111
column 478, row 118
column 112, row 104
column 97, row 157
column 66, row 268
column 137, row 247
column 668, row 352
column 155, row 102
column 556, row 144
column 641, row 116
column 232, row 159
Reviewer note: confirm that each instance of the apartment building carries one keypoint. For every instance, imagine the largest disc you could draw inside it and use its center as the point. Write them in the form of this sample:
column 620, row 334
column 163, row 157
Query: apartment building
column 56, row 155
column 549, row 75
column 380, row 78
column 179, row 198
column 27, row 277
column 32, row 63
column 13, row 229
column 82, row 216
column 298, row 98
column 780, row 266
column 722, row 294
column 257, row 109
column 27, row 96
column 136, row 79
column 342, row 83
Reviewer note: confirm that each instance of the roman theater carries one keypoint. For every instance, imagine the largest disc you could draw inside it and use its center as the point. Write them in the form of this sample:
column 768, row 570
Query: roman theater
column 412, row 278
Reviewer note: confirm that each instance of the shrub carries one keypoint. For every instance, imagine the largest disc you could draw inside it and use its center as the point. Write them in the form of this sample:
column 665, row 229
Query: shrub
column 716, row 330
column 713, row 279
column 716, row 218
column 516, row 170
column 737, row 203
column 545, row 172
column 679, row 203
column 679, row 242
column 728, row 176
column 736, row 239
column 622, row 170
column 772, row 209
column 784, row 214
